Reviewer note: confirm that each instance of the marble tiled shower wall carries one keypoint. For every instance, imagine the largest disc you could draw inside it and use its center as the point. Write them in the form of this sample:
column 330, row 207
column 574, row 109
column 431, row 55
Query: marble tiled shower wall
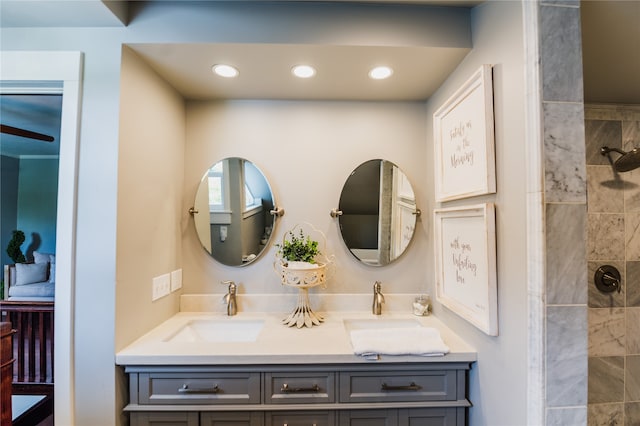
column 565, row 202
column 613, row 238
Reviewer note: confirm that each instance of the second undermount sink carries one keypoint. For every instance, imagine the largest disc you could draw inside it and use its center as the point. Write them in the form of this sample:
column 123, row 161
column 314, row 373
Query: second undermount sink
column 217, row 330
column 379, row 323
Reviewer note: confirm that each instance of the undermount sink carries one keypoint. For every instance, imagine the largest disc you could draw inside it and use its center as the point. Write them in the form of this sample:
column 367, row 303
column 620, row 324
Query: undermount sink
column 378, row 323
column 217, row 330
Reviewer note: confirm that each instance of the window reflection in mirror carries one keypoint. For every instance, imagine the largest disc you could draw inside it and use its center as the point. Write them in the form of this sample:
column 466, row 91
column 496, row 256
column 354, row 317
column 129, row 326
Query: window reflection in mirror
column 233, row 220
column 378, row 212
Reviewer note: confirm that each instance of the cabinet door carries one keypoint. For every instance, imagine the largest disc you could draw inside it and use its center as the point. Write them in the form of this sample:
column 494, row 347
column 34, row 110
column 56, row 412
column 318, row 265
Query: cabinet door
column 149, row 418
column 453, row 416
column 210, row 418
column 301, row 418
column 369, row 418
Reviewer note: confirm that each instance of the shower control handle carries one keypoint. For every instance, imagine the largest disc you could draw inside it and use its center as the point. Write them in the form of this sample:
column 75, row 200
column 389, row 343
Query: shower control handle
column 608, row 279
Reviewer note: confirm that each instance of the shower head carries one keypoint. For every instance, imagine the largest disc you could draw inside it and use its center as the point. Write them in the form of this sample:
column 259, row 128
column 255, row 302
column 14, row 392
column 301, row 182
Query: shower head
column 627, row 160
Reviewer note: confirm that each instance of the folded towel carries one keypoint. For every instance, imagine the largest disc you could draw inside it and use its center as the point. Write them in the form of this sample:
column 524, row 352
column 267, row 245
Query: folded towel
column 423, row 341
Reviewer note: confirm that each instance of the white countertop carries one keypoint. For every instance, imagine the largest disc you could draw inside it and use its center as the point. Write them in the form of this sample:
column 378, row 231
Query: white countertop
column 278, row 344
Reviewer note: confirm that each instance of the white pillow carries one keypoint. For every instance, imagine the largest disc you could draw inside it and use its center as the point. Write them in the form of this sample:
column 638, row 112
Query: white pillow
column 41, row 257
column 52, row 273
column 29, row 273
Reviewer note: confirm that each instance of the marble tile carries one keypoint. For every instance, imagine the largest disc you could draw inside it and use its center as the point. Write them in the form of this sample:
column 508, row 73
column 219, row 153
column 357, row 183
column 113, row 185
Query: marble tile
column 632, row 378
column 607, row 332
column 631, row 190
column 566, row 356
column 564, row 152
column 632, row 414
column 598, row 299
column 612, row 112
column 630, row 135
column 561, row 54
column 632, row 235
column 605, row 414
column 599, row 133
column 606, row 379
column 633, row 331
column 632, row 287
column 566, row 263
column 605, row 237
column 605, row 190
column 561, row 2
column 573, row 416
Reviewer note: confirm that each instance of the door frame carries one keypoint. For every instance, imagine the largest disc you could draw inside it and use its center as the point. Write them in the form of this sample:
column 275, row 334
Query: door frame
column 60, row 71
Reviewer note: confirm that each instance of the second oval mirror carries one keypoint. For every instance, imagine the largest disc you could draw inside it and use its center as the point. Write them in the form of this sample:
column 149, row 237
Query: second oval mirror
column 377, row 212
column 233, row 212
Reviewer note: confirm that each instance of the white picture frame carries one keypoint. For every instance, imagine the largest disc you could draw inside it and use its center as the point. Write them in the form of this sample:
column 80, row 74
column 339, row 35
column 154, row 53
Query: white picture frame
column 465, row 250
column 464, row 140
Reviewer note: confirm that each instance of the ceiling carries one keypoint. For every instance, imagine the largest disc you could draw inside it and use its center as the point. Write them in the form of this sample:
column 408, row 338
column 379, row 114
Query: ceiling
column 611, row 52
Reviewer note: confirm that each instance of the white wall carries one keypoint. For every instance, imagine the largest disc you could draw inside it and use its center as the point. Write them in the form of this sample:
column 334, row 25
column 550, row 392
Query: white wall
column 341, row 135
column 307, row 151
column 498, row 379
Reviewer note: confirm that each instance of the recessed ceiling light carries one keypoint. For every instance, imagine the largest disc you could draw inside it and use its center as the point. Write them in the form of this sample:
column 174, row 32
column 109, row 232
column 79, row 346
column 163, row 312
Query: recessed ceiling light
column 225, row 70
column 380, row 73
column 303, row 71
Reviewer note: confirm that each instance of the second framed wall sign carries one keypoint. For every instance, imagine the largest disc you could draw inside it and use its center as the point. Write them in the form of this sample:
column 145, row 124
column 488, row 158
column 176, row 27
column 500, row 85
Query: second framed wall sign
column 464, row 140
column 465, row 249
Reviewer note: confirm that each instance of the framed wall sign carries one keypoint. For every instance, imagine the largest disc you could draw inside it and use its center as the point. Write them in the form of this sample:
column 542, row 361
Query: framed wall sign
column 464, row 140
column 465, row 249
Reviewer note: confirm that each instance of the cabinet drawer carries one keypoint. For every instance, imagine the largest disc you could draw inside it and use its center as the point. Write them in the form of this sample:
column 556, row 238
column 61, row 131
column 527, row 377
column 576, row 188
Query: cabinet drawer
column 299, row 388
column 199, row 388
column 164, row 419
column 373, row 386
column 297, row 418
column 231, row 418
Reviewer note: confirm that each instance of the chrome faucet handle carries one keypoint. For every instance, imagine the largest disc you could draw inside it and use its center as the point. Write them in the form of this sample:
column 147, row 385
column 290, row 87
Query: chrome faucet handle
column 231, row 284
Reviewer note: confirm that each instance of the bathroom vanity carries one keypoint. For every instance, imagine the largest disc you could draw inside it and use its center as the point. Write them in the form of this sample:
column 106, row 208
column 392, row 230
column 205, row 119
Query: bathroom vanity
column 190, row 371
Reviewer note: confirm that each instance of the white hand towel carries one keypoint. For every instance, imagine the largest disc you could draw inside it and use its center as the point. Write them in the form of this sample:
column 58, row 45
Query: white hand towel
column 423, row 341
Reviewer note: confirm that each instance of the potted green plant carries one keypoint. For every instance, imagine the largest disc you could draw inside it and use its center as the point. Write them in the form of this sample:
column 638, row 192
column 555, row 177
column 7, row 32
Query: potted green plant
column 299, row 251
column 297, row 260
column 13, row 248
column 300, row 264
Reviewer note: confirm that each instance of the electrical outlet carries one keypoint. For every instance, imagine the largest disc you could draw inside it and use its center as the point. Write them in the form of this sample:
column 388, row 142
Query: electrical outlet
column 161, row 286
column 176, row 279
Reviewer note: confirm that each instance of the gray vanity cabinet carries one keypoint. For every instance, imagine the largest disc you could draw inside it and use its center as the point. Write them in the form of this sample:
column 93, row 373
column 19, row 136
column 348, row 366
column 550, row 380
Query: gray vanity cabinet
column 248, row 418
column 152, row 418
column 301, row 418
column 358, row 394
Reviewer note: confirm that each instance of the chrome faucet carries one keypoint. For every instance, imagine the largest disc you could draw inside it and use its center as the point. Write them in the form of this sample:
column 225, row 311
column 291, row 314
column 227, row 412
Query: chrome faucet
column 378, row 299
column 230, row 298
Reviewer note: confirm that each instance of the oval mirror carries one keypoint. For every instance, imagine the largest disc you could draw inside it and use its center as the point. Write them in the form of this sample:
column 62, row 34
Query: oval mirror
column 233, row 212
column 377, row 212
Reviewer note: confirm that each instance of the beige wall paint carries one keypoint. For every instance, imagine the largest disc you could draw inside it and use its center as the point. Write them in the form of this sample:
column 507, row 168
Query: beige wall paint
column 150, row 193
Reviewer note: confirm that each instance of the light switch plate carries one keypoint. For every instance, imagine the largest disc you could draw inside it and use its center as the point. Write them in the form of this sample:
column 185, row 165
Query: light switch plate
column 161, row 286
column 176, row 279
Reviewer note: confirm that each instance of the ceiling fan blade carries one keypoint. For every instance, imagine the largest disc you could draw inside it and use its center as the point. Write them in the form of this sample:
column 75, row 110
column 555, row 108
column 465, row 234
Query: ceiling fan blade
column 25, row 133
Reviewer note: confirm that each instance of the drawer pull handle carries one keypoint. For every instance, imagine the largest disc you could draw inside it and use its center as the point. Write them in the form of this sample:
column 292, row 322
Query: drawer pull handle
column 286, row 389
column 411, row 387
column 186, row 389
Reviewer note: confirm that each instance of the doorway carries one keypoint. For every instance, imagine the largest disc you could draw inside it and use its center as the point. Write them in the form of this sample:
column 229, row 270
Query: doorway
column 19, row 67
